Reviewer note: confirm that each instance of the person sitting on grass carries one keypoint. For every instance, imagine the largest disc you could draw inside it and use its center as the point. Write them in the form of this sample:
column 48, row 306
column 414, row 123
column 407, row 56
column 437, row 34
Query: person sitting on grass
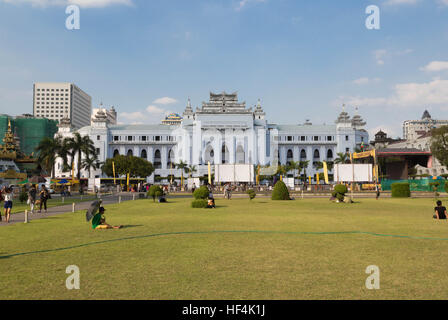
column 99, row 221
column 440, row 211
column 211, row 201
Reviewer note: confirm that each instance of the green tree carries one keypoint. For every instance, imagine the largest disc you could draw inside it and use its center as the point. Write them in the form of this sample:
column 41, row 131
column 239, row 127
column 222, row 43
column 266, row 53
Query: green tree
column 303, row 166
column 183, row 167
column 136, row 167
column 439, row 144
column 76, row 147
column 48, row 151
column 191, row 170
column 90, row 162
column 342, row 158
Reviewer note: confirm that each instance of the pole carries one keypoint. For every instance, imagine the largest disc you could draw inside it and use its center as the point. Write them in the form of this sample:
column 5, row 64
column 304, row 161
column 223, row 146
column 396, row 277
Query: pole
column 73, row 207
column 353, row 175
column 26, row 216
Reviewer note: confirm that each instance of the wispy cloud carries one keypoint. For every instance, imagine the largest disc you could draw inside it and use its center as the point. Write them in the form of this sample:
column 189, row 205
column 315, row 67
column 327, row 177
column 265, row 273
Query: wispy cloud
column 435, row 66
column 165, row 101
column 365, row 80
column 244, row 3
column 379, row 56
column 401, row 2
column 81, row 3
column 406, row 95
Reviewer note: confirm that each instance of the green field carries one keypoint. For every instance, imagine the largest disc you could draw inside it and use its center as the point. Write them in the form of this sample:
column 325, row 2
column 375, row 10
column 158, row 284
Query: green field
column 54, row 202
column 171, row 251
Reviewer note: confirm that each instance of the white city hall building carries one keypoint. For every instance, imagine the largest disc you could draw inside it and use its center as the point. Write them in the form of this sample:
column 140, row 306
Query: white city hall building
column 221, row 131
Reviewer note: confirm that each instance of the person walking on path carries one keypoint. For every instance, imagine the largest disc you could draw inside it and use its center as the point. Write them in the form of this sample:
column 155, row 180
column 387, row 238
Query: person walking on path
column 43, row 198
column 8, row 203
column 377, row 189
column 32, row 194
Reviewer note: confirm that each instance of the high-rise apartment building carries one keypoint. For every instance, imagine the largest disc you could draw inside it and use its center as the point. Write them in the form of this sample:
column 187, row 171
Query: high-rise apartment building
column 57, row 100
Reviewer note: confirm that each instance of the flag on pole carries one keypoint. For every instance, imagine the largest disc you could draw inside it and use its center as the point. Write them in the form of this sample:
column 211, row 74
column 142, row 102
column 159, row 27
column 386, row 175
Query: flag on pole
column 317, row 178
column 326, row 172
column 309, row 179
column 127, row 181
column 209, row 174
column 113, row 169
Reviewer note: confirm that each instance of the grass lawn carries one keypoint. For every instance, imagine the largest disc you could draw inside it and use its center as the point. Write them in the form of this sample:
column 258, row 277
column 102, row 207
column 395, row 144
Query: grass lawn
column 281, row 263
column 54, row 202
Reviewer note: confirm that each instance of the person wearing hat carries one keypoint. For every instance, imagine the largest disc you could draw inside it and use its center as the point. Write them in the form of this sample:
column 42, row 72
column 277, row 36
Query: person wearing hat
column 99, row 221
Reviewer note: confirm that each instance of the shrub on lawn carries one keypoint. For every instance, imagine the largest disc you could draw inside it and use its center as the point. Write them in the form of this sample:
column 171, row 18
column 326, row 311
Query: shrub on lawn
column 201, row 193
column 446, row 186
column 339, row 192
column 155, row 191
column 401, row 190
column 280, row 191
column 199, row 203
column 252, row 194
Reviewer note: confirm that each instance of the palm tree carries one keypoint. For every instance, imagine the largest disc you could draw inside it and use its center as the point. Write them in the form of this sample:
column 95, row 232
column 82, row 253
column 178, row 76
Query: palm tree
column 293, row 166
column 182, row 166
column 191, row 170
column 282, row 170
column 76, row 146
column 303, row 166
column 318, row 165
column 90, row 162
column 47, row 151
column 342, row 158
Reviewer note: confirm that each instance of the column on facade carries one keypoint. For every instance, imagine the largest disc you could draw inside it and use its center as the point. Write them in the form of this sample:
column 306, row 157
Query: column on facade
column 309, row 157
column 164, row 157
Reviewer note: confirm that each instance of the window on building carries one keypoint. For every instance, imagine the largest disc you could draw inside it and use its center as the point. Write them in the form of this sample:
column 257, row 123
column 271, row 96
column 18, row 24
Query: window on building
column 302, row 138
column 143, row 139
column 329, row 138
column 116, row 138
column 346, row 138
column 129, row 138
column 290, row 138
column 347, row 150
column 98, row 138
column 158, row 138
column 97, row 151
column 316, row 138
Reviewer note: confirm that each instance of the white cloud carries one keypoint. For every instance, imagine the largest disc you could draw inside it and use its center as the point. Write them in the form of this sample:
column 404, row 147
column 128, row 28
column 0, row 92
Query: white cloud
column 165, row 101
column 132, row 115
column 443, row 2
column 155, row 110
column 365, row 80
column 406, row 95
column 435, row 66
column 400, row 2
column 243, row 3
column 81, row 3
column 379, row 56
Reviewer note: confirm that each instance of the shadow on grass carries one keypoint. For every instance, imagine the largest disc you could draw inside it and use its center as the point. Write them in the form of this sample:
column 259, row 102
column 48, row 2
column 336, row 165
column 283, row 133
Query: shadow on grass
column 131, row 226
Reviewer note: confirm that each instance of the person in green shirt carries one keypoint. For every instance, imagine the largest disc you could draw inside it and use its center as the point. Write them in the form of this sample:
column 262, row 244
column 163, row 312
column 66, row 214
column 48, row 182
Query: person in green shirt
column 99, row 221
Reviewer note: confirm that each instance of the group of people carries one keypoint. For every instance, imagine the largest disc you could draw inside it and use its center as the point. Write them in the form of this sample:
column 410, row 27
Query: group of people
column 35, row 197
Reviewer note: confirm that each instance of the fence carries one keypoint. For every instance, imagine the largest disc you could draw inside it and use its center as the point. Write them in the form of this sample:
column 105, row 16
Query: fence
column 416, row 185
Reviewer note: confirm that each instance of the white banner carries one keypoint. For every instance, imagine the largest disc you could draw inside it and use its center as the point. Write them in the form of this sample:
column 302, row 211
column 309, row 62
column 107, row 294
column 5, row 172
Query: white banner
column 355, row 173
column 234, row 173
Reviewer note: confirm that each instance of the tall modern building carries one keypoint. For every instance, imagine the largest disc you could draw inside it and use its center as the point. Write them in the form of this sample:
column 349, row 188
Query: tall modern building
column 412, row 129
column 56, row 100
column 220, row 131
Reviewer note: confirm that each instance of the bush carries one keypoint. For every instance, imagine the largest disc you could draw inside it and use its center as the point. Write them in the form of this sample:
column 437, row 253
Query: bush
column 340, row 197
column 340, row 188
column 252, row 194
column 401, row 190
column 280, row 191
column 446, row 186
column 199, row 203
column 201, row 193
column 155, row 191
column 334, row 194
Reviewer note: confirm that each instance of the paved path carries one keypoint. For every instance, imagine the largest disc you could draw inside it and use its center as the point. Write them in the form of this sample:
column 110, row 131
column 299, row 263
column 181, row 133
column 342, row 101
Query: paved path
column 20, row 217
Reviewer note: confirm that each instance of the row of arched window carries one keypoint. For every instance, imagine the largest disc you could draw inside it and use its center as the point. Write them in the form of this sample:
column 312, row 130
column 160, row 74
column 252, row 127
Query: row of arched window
column 316, row 154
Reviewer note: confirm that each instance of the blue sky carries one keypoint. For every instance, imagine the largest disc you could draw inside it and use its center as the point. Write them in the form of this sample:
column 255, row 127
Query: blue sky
column 302, row 58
